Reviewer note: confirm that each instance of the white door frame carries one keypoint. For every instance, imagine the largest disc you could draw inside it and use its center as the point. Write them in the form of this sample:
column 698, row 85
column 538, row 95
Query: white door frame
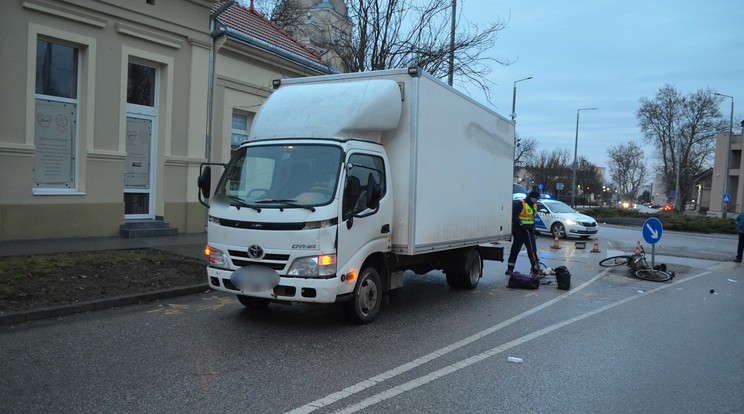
column 151, row 114
column 151, row 170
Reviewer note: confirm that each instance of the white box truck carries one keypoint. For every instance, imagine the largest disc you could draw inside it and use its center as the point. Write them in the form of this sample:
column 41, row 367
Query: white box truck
column 346, row 181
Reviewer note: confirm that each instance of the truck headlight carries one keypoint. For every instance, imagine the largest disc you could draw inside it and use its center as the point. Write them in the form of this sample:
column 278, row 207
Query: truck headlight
column 324, row 265
column 216, row 257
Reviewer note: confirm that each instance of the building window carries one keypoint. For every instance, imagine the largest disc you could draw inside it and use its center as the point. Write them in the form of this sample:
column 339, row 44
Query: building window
column 141, row 85
column 241, row 124
column 56, row 69
column 55, row 126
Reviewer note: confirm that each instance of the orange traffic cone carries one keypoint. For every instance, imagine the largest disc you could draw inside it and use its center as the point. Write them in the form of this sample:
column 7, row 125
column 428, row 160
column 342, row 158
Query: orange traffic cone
column 638, row 249
column 596, row 245
column 555, row 243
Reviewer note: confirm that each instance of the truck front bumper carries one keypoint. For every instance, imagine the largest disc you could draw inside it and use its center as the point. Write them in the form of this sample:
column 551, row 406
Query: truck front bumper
column 289, row 289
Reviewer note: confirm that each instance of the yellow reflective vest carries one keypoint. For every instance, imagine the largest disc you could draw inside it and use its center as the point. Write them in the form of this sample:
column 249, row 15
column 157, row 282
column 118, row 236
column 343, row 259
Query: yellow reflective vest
column 527, row 215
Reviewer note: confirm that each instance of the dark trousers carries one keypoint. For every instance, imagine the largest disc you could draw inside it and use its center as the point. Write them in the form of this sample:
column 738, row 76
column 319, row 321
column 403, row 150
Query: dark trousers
column 740, row 248
column 524, row 238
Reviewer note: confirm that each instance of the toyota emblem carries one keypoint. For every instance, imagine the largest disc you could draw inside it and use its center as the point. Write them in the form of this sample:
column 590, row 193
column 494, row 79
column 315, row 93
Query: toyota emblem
column 255, row 252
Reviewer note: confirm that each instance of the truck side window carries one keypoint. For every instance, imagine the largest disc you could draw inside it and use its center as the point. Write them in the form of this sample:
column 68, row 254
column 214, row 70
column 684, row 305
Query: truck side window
column 357, row 181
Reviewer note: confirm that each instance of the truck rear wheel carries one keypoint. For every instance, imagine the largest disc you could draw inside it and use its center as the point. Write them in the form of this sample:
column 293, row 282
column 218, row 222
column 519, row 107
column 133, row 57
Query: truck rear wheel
column 253, row 303
column 367, row 298
column 468, row 277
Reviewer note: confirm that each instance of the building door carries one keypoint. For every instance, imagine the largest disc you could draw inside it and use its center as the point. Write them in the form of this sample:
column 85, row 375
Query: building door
column 140, row 167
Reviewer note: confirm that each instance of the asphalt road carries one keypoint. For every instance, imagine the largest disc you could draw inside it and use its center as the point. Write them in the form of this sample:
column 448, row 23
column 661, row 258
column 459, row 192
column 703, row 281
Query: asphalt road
column 612, row 344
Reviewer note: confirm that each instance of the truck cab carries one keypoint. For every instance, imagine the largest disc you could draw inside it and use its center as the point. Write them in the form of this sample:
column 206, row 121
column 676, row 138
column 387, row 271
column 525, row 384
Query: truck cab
column 297, row 202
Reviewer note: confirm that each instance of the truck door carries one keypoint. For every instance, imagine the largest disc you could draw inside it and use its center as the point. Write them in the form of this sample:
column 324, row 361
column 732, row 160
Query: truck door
column 363, row 230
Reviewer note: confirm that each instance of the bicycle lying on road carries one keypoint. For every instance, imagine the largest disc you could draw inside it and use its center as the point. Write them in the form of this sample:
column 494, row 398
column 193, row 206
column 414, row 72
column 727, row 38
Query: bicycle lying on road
column 639, row 266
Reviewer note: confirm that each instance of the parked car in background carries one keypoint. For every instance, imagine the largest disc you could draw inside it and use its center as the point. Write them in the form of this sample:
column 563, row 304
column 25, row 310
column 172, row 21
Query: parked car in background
column 558, row 218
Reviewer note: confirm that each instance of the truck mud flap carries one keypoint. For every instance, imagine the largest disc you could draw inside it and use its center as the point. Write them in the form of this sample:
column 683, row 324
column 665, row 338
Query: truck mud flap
column 492, row 253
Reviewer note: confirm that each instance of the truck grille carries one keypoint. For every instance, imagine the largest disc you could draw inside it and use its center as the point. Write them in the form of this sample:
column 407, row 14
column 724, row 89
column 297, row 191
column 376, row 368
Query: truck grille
column 235, row 224
column 274, row 261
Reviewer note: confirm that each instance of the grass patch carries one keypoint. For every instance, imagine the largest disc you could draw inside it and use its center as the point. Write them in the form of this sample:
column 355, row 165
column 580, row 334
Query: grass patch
column 55, row 279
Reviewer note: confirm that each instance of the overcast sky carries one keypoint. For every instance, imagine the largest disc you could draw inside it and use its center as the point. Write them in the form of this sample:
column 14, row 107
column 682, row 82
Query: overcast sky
column 608, row 54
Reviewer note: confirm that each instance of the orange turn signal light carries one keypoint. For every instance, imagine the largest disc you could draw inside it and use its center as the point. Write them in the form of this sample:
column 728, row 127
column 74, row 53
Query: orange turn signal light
column 326, row 260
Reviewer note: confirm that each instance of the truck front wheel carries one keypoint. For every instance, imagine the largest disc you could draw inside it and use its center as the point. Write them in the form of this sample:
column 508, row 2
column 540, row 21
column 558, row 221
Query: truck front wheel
column 253, row 303
column 468, row 277
column 367, row 298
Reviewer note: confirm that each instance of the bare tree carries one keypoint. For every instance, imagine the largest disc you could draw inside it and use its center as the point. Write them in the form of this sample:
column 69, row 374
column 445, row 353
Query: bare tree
column 682, row 129
column 287, row 13
column 406, row 33
column 627, row 168
column 549, row 168
column 588, row 178
column 396, row 34
column 526, row 148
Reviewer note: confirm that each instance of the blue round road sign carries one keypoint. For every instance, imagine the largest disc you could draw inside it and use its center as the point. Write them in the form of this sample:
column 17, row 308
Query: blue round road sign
column 652, row 230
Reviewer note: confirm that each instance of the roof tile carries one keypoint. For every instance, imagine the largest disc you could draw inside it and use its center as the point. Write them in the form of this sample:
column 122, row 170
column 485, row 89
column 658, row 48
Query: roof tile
column 254, row 24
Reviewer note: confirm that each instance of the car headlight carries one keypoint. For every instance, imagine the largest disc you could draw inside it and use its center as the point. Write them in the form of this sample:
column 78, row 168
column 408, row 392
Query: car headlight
column 315, row 266
column 216, row 257
column 570, row 222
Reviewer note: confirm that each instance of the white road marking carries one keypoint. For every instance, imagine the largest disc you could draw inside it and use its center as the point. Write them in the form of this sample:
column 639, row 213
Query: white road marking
column 410, row 385
column 332, row 398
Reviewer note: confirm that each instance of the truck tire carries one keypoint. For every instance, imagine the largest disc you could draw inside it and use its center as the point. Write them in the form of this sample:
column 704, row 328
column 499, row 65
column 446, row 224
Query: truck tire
column 468, row 277
column 365, row 303
column 253, row 303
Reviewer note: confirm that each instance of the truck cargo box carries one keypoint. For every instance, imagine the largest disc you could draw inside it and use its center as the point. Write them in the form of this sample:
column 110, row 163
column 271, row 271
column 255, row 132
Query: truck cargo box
column 451, row 157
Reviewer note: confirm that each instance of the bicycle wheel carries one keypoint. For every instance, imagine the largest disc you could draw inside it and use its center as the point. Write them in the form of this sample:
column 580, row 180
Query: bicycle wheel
column 538, row 270
column 543, row 267
column 652, row 275
column 615, row 261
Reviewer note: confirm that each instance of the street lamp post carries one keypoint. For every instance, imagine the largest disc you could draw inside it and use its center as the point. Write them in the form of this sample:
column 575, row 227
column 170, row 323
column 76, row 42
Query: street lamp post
column 513, row 112
column 451, row 72
column 576, row 148
column 677, row 206
column 728, row 155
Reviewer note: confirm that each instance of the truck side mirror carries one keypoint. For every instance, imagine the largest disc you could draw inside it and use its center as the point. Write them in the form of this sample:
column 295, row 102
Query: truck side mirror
column 205, row 183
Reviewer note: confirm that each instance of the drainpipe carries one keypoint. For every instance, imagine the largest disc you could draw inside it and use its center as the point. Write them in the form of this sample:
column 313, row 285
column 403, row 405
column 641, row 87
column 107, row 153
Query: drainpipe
column 213, row 33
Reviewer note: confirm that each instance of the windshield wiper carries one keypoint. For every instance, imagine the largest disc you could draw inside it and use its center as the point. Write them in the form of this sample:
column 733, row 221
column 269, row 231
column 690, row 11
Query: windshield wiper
column 238, row 202
column 285, row 202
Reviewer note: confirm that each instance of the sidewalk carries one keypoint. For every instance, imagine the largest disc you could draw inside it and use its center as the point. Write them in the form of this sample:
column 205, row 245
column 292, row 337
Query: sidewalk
column 190, row 244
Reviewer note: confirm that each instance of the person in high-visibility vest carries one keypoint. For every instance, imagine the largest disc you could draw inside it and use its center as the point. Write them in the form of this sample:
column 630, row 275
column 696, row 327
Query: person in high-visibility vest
column 523, row 231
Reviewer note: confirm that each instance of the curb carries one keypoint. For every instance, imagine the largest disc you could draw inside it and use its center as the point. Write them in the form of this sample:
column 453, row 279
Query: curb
column 99, row 304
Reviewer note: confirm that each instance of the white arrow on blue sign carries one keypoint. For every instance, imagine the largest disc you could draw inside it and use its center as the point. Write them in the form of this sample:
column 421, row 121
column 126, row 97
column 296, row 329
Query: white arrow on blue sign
column 652, row 230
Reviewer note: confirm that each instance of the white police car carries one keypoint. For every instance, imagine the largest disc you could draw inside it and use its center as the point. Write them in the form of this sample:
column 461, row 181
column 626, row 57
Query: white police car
column 555, row 217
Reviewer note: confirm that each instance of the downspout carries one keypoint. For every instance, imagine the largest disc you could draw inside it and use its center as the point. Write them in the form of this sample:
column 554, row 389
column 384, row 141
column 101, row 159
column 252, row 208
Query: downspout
column 213, row 33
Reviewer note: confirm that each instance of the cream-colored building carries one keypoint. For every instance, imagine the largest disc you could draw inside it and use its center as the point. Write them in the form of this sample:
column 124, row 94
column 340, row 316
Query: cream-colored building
column 727, row 146
column 103, row 120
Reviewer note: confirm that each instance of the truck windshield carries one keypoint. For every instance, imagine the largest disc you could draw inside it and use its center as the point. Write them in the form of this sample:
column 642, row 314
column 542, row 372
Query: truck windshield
column 281, row 176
